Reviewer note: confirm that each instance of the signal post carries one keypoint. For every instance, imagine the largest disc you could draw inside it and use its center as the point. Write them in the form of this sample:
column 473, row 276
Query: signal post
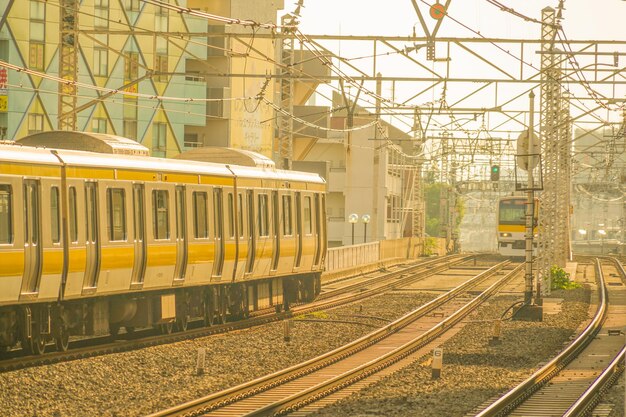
column 527, row 159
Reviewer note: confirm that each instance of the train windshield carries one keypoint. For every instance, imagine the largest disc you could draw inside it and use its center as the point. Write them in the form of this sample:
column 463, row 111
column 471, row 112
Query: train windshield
column 512, row 212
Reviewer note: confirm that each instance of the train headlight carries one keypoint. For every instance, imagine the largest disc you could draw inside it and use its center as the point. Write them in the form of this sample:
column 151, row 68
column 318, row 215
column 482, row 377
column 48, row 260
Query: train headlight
column 505, row 234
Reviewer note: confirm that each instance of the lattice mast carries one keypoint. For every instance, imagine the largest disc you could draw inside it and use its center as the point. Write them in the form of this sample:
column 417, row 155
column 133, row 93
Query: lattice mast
column 285, row 121
column 555, row 145
column 418, row 222
column 68, row 63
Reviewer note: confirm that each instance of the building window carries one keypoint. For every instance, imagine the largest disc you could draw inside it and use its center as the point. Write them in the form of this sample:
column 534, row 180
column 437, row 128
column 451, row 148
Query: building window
column 99, row 125
column 36, row 58
column 35, row 123
column 191, row 140
column 100, row 62
column 161, row 25
column 159, row 139
column 6, row 214
column 130, row 118
column 200, row 217
column 37, row 28
column 130, row 129
column 101, row 14
column 161, row 68
column 131, row 5
column 55, row 215
column 160, row 219
column 131, row 66
column 116, row 213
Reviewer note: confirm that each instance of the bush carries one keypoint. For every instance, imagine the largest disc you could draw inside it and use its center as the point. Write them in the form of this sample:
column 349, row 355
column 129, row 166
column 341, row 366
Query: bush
column 560, row 279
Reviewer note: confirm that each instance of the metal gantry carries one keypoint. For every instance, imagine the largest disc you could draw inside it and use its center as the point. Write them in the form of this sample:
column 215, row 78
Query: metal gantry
column 285, row 121
column 68, row 63
column 555, row 148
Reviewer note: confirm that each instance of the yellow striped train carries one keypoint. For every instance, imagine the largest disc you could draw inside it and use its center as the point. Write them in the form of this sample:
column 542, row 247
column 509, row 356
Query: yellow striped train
column 93, row 242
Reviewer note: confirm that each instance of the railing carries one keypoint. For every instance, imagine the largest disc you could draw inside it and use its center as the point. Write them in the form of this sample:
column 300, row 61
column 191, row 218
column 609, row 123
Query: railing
column 368, row 253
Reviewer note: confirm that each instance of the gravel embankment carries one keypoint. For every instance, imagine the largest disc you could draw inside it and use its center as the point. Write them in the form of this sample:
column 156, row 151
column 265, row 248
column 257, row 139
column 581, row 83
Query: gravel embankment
column 473, row 371
column 615, row 396
column 144, row 381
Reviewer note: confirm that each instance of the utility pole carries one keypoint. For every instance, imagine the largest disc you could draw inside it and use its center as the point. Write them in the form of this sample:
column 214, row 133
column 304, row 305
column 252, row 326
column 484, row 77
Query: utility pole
column 68, row 63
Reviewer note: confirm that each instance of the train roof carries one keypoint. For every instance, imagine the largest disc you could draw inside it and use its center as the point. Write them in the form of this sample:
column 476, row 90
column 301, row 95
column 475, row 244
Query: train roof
column 27, row 154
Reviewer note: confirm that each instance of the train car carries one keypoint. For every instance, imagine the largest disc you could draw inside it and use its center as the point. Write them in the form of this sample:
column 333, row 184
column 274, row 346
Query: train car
column 93, row 242
column 511, row 225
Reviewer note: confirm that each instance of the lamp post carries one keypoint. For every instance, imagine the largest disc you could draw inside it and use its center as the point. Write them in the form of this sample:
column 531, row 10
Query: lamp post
column 366, row 220
column 352, row 219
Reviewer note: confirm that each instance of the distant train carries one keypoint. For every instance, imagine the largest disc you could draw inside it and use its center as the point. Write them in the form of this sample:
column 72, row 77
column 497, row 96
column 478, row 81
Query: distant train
column 93, row 242
column 511, row 227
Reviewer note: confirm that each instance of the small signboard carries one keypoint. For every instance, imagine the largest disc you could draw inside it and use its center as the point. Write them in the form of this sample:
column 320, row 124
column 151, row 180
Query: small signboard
column 522, row 149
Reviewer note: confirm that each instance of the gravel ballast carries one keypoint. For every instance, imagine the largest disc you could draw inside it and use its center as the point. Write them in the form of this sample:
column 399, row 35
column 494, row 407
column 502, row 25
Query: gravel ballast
column 473, row 371
column 144, row 381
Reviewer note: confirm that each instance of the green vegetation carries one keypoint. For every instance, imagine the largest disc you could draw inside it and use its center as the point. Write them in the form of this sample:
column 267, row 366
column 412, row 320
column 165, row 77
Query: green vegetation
column 430, row 244
column 560, row 279
column 432, row 193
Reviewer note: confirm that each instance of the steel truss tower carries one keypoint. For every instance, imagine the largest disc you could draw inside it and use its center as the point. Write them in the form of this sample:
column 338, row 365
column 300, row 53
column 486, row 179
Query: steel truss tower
column 68, row 63
column 555, row 149
column 285, row 121
column 418, row 220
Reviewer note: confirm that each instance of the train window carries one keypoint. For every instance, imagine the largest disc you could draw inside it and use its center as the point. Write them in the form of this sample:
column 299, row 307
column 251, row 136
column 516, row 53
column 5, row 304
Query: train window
column 231, row 215
column 116, row 214
column 73, row 218
column 200, row 223
column 55, row 215
column 308, row 229
column 6, row 214
column 160, row 214
column 287, row 222
column 263, row 215
column 240, row 212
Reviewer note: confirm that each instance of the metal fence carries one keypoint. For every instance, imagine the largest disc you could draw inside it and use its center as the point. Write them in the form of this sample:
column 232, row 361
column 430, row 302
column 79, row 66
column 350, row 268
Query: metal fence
column 368, row 253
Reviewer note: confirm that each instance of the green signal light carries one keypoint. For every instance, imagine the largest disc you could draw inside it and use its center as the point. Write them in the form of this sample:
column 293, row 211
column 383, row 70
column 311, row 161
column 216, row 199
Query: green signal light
column 495, row 168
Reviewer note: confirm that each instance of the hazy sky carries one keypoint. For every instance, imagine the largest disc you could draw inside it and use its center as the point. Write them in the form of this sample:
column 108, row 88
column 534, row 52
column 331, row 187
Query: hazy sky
column 582, row 20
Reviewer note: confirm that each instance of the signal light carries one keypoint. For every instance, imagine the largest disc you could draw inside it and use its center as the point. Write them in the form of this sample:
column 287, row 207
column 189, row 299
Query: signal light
column 495, row 173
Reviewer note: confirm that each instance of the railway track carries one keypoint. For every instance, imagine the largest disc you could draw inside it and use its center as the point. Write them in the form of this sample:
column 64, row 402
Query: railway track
column 571, row 384
column 343, row 294
column 290, row 389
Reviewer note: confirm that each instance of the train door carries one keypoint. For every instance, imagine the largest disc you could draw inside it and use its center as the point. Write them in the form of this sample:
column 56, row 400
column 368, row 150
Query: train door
column 32, row 237
column 139, row 210
column 298, row 230
column 251, row 230
column 92, row 238
column 181, row 235
column 317, row 219
column 218, row 228
column 275, row 231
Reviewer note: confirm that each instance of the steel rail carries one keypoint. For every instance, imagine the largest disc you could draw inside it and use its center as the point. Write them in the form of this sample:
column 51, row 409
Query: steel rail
column 528, row 387
column 592, row 395
column 299, row 400
column 262, row 317
column 248, row 389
